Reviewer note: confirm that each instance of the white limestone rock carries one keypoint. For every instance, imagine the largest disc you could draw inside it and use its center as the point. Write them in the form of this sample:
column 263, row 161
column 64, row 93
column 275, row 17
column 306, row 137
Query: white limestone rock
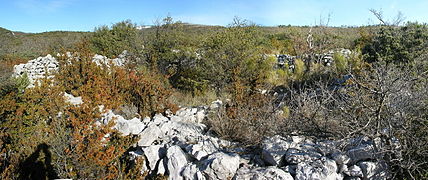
column 203, row 148
column 181, row 131
column 190, row 115
column 162, row 167
column 73, row 100
column 159, row 119
column 362, row 152
column 324, row 169
column 262, row 173
column 191, row 172
column 154, row 154
column 126, row 127
column 340, row 158
column 176, row 161
column 216, row 104
column 296, row 156
column 220, row 165
column 374, row 170
column 37, row 68
column 149, row 135
column 354, row 171
column 274, row 148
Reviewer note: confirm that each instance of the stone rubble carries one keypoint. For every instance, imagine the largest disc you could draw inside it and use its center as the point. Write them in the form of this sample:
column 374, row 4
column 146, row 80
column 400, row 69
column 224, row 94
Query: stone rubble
column 46, row 66
column 181, row 148
column 327, row 58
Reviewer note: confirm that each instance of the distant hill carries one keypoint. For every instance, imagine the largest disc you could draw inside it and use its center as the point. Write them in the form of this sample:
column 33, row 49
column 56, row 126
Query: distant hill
column 30, row 45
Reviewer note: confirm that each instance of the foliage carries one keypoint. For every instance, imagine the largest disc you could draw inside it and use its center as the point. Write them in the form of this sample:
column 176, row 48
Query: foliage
column 112, row 41
column 397, row 44
column 234, row 54
column 7, row 83
column 340, row 62
column 69, row 139
column 248, row 121
column 170, row 51
column 385, row 102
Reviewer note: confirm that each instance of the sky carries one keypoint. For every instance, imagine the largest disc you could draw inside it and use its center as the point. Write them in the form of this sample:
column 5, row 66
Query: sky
column 85, row 15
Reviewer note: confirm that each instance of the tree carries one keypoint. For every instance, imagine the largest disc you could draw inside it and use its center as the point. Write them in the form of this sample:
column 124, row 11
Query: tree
column 234, row 54
column 397, row 44
column 112, row 41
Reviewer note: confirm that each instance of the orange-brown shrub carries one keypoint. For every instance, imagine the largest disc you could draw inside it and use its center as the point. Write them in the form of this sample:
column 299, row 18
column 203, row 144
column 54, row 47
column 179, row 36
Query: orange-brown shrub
column 40, row 131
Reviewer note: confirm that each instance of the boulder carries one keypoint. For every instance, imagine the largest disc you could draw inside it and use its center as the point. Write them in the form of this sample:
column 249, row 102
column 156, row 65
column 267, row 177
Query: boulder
column 273, row 150
column 290, row 169
column 374, row 170
column 361, row 152
column 324, row 169
column 161, row 167
column 176, row 160
column 182, row 131
column 296, row 156
column 159, row 118
column 262, row 173
column 154, row 154
column 203, row 148
column 341, row 158
column 191, row 172
column 149, row 135
column 190, row 115
column 126, row 127
column 354, row 171
column 220, row 165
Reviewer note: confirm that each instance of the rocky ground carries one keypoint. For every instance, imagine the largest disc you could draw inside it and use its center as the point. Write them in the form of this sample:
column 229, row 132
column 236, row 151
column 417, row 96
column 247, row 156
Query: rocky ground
column 182, row 147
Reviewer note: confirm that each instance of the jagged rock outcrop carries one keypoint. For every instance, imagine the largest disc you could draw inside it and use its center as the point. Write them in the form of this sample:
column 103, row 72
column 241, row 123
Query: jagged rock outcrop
column 263, row 173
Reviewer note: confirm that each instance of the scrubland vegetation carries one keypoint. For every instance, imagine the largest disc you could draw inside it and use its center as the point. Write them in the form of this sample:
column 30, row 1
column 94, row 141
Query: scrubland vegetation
column 379, row 91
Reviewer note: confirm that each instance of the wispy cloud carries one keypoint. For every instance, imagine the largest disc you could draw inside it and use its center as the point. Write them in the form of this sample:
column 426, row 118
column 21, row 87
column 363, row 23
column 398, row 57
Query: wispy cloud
column 42, row 6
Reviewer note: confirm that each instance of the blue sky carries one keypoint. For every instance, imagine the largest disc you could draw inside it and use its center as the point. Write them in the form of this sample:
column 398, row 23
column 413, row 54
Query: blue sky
column 85, row 15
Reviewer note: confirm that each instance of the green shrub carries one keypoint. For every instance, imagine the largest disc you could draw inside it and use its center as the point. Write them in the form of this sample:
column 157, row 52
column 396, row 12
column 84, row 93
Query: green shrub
column 112, row 41
column 341, row 63
column 397, row 44
column 299, row 70
column 235, row 54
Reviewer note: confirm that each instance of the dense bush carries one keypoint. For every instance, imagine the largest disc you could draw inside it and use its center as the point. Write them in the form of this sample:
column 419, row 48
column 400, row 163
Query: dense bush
column 235, row 54
column 385, row 102
column 170, row 51
column 62, row 140
column 398, row 44
column 112, row 41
